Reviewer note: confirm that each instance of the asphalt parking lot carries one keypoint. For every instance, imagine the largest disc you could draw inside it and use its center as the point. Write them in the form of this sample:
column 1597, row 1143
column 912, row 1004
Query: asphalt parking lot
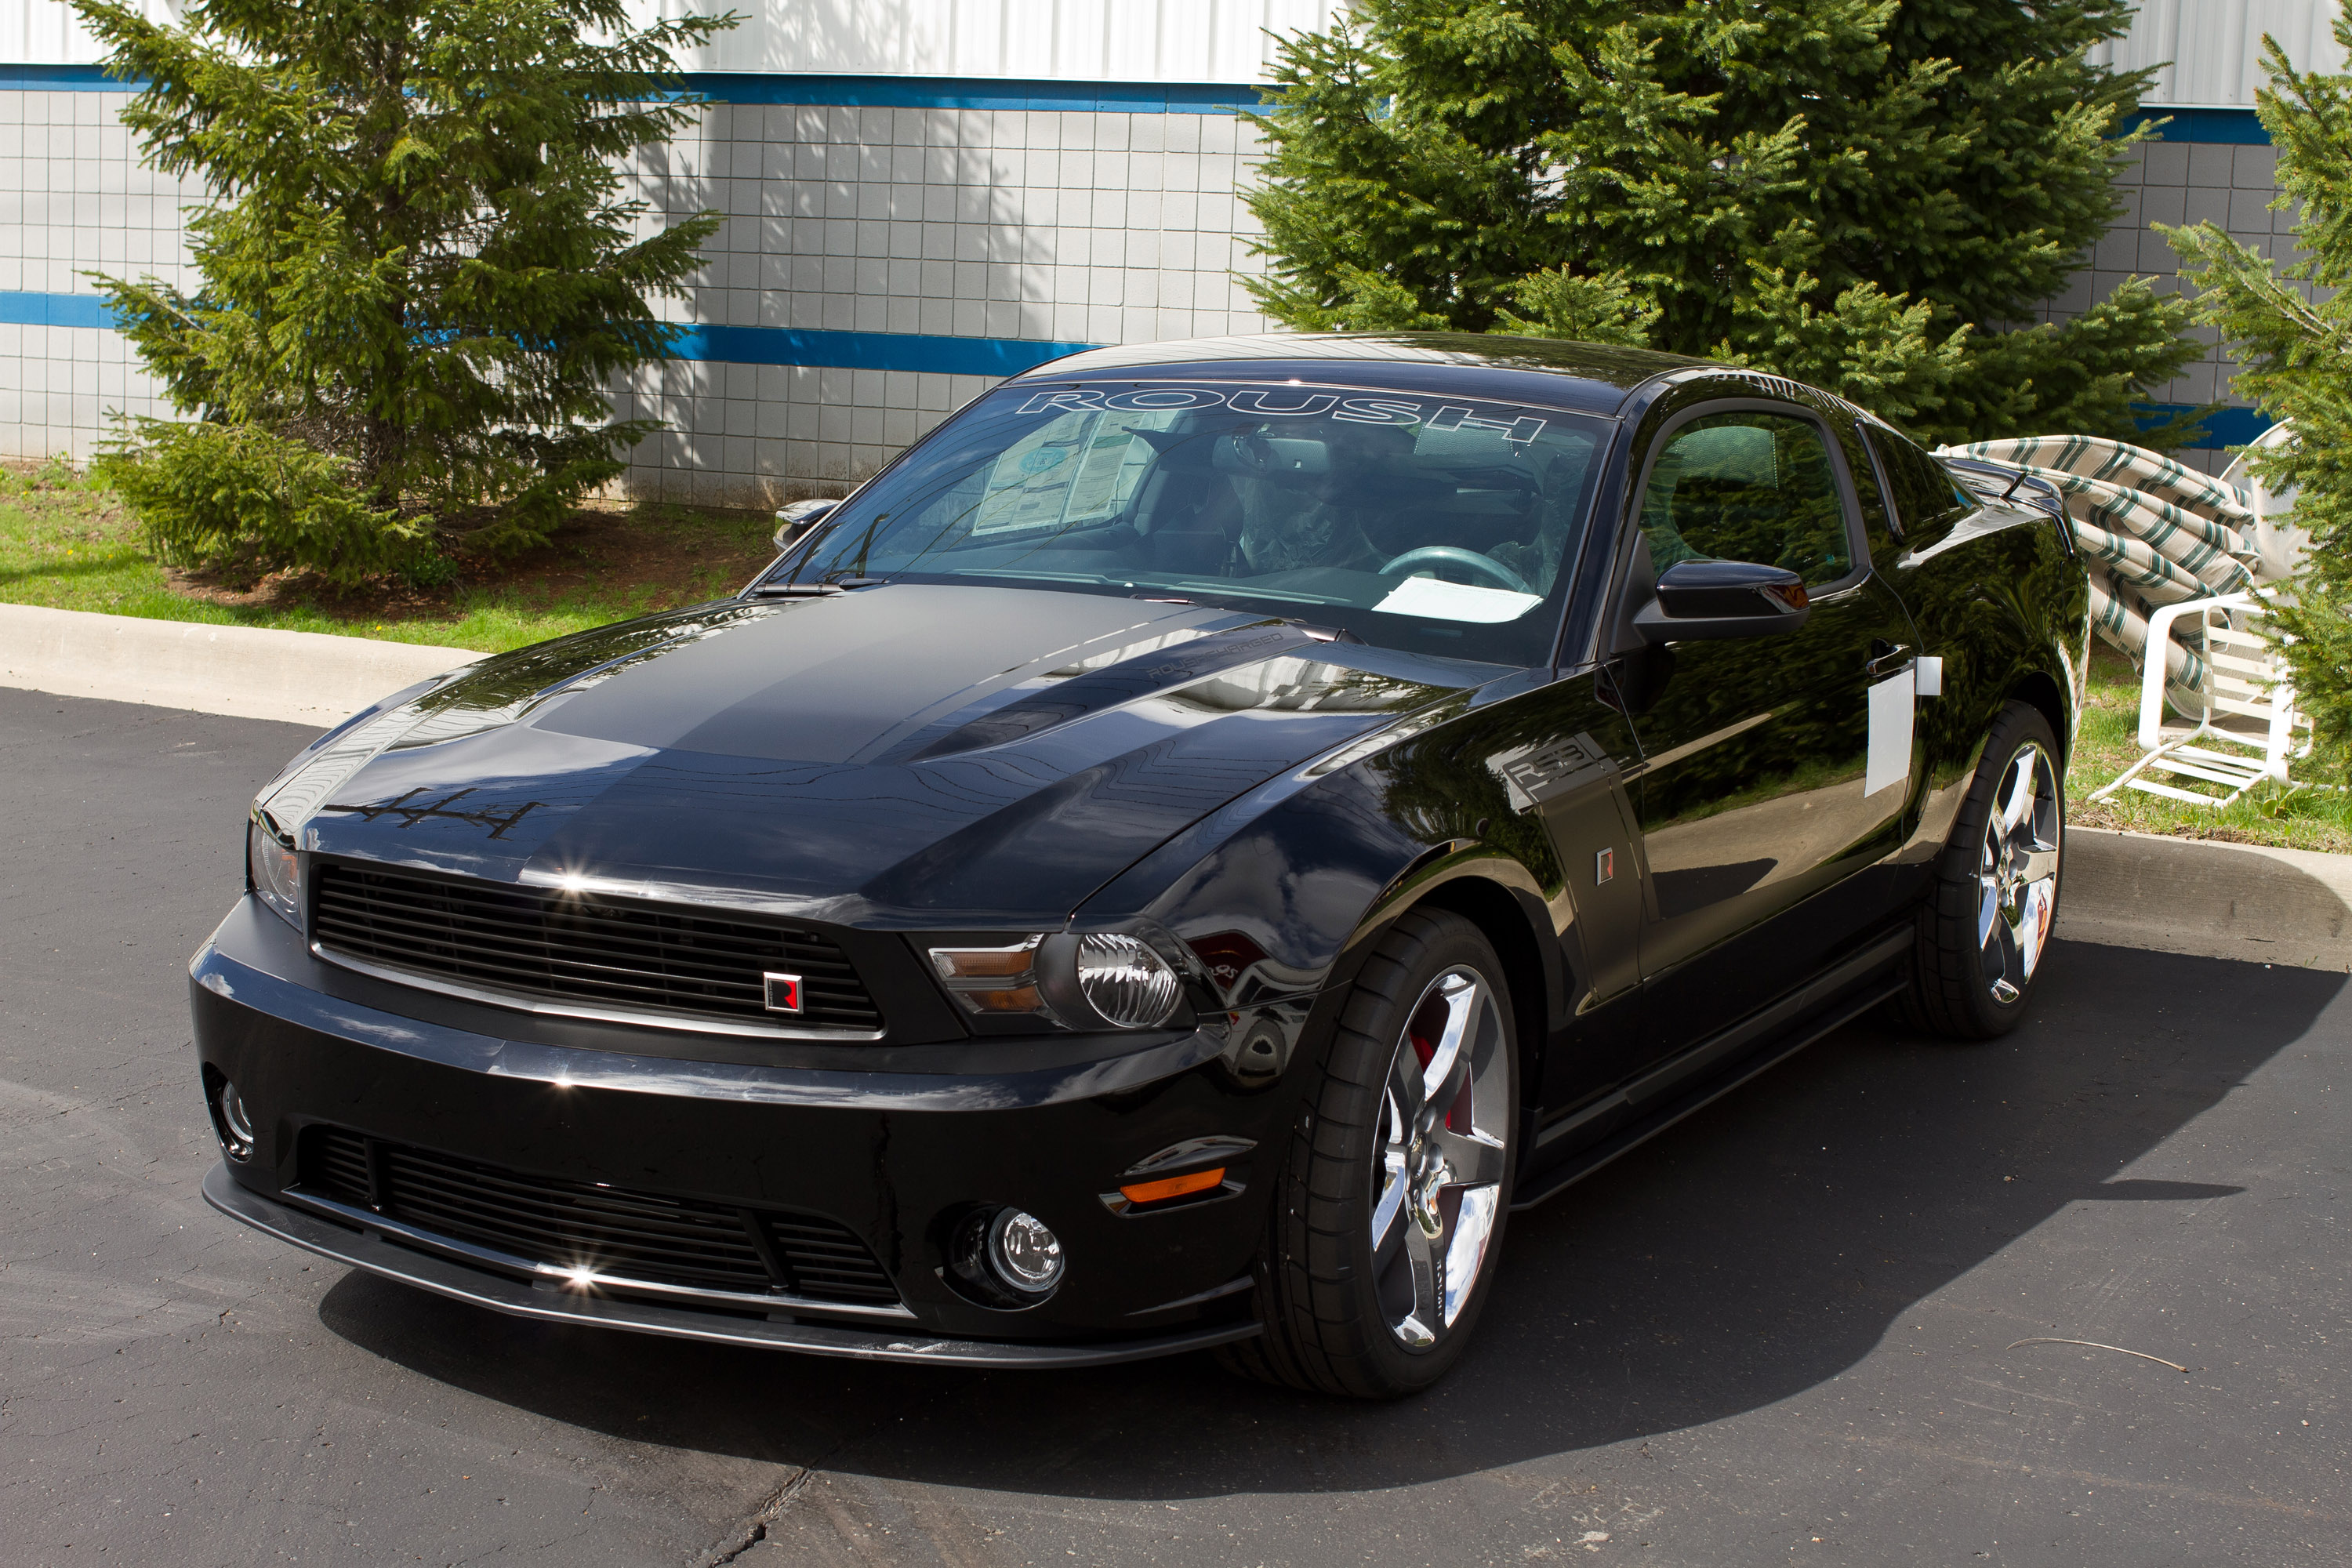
column 1783, row 1333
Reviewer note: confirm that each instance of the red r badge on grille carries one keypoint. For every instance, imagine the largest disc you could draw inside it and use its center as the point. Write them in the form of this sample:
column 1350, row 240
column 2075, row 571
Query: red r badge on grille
column 783, row 993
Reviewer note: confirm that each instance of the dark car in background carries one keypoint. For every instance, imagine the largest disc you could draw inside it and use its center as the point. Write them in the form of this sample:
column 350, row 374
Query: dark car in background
column 1171, row 861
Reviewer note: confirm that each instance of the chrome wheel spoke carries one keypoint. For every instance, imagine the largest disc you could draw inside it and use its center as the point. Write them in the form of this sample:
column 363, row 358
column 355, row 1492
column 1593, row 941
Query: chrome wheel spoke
column 1421, row 1324
column 1404, row 1087
column 1472, row 1160
column 1449, row 1063
column 1391, row 1202
column 1473, row 1225
column 2034, row 929
column 2021, row 793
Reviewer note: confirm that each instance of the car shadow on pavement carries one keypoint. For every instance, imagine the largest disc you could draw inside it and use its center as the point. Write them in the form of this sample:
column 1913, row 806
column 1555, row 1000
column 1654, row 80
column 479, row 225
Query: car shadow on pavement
column 1751, row 1253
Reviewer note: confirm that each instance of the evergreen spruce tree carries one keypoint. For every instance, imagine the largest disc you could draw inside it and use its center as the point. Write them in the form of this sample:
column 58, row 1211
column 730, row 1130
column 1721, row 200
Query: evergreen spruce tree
column 419, row 269
column 2290, row 329
column 1866, row 195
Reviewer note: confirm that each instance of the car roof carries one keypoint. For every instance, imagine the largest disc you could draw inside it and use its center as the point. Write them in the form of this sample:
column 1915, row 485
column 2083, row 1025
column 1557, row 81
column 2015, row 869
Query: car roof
column 1594, row 377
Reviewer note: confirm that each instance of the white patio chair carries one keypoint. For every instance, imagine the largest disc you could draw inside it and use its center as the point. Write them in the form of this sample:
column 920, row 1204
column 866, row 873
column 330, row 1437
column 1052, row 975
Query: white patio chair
column 2249, row 708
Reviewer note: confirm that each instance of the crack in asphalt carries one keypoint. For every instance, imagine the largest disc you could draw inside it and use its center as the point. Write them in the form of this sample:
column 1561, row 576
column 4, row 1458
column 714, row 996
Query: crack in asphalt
column 754, row 1528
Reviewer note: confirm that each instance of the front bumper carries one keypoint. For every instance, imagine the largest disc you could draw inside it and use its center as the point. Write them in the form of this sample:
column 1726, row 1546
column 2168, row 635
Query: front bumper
column 481, row 1288
column 896, row 1152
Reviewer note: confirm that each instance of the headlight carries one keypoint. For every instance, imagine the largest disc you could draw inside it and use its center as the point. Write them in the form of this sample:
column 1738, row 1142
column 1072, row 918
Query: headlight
column 1124, row 980
column 272, row 866
column 1102, row 980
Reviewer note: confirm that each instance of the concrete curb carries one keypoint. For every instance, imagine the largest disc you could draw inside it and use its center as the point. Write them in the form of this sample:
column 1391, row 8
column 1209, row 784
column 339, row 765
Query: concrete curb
column 2211, row 899
column 247, row 672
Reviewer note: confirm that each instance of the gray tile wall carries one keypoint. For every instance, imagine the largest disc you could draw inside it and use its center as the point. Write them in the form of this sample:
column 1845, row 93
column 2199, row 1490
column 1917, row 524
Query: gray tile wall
column 1062, row 227
column 2182, row 183
column 75, row 197
column 1074, row 228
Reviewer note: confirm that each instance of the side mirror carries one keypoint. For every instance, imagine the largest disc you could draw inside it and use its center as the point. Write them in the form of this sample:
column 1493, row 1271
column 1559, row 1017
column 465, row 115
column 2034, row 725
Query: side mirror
column 794, row 520
column 1702, row 600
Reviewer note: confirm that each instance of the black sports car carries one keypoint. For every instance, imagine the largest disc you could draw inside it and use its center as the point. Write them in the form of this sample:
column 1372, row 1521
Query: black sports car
column 1173, row 860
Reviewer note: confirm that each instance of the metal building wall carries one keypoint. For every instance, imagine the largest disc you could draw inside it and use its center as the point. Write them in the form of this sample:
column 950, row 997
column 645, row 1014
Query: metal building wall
column 924, row 194
column 2209, row 53
column 1043, row 40
column 1040, row 40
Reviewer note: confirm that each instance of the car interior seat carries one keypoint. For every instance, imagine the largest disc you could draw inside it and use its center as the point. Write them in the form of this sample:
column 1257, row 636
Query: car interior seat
column 1190, row 519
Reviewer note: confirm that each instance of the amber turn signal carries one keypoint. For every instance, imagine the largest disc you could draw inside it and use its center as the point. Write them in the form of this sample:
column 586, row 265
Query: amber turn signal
column 1172, row 1186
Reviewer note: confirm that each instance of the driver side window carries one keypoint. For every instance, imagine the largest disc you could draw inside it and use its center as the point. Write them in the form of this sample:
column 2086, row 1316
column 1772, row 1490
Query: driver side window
column 1747, row 486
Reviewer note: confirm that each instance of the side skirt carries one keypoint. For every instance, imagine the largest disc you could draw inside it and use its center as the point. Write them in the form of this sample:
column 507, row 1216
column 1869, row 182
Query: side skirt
column 1755, row 1044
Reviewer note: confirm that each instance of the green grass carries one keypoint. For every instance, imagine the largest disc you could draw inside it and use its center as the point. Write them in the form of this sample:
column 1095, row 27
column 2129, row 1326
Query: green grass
column 2109, row 743
column 67, row 544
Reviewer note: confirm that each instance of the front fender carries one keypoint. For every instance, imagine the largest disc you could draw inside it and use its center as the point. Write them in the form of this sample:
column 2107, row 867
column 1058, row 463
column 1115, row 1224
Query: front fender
column 1284, row 894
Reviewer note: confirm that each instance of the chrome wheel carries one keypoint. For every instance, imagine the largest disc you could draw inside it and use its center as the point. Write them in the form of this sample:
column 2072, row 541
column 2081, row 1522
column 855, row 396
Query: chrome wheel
column 1438, row 1167
column 2017, row 873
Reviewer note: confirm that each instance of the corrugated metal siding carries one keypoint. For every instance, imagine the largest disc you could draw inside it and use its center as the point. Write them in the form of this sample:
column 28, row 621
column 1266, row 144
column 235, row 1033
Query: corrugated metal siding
column 1057, row 40
column 2210, row 52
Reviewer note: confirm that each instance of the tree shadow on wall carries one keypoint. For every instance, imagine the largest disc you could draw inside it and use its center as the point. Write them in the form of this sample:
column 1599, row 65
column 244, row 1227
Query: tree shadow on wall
column 870, row 220
column 1751, row 1253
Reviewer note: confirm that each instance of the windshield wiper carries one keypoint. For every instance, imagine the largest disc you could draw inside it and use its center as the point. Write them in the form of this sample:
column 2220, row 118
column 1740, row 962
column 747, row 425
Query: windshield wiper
column 824, row 590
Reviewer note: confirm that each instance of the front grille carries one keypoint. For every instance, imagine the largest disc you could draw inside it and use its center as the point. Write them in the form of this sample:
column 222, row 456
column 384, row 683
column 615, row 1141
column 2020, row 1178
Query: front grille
column 566, row 1224
column 586, row 947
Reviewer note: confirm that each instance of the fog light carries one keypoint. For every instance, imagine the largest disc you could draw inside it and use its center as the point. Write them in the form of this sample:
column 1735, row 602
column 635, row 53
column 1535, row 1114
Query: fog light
column 233, row 1123
column 1022, row 1254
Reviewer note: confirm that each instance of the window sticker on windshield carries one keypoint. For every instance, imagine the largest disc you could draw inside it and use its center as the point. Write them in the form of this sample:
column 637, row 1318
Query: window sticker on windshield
column 1436, row 599
column 1078, row 469
column 1516, row 426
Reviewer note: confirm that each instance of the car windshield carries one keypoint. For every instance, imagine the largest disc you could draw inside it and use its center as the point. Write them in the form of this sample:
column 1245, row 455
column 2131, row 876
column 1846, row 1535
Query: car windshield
column 1437, row 523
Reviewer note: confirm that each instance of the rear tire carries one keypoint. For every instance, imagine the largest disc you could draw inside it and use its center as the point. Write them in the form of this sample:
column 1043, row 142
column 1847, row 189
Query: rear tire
column 1390, row 1212
column 1985, row 927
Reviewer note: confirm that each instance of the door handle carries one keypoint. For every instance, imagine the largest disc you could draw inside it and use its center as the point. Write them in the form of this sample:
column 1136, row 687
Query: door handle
column 1886, row 657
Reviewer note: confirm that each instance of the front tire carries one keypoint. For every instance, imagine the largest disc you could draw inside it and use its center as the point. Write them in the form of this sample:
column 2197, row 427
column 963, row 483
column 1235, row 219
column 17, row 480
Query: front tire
column 1985, row 925
column 1392, row 1198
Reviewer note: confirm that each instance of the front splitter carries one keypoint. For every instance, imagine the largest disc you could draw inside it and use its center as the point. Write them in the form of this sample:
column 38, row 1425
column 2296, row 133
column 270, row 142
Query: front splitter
column 368, row 1250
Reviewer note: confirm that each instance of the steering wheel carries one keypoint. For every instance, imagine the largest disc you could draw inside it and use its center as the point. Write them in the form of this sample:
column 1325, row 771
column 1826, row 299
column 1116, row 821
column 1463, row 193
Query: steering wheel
column 1486, row 566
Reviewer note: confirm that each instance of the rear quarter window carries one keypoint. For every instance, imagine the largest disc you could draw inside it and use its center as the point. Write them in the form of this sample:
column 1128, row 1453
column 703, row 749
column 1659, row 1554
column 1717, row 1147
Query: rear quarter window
column 1925, row 498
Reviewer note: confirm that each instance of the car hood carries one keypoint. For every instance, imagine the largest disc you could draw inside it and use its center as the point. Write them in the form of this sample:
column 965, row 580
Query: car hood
column 906, row 753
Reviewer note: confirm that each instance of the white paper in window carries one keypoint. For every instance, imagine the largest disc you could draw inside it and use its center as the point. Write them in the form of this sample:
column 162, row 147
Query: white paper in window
column 1442, row 601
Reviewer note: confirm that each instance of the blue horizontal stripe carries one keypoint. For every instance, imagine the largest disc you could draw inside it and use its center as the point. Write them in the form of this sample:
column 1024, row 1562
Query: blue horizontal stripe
column 947, row 355
column 850, row 92
column 53, row 310
column 2223, row 427
column 732, row 345
column 864, row 351
column 973, row 92
column 61, row 79
column 2241, row 127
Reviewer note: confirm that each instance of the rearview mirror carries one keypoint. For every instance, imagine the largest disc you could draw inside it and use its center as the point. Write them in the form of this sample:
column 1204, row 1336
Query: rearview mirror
column 794, row 520
column 1702, row 600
